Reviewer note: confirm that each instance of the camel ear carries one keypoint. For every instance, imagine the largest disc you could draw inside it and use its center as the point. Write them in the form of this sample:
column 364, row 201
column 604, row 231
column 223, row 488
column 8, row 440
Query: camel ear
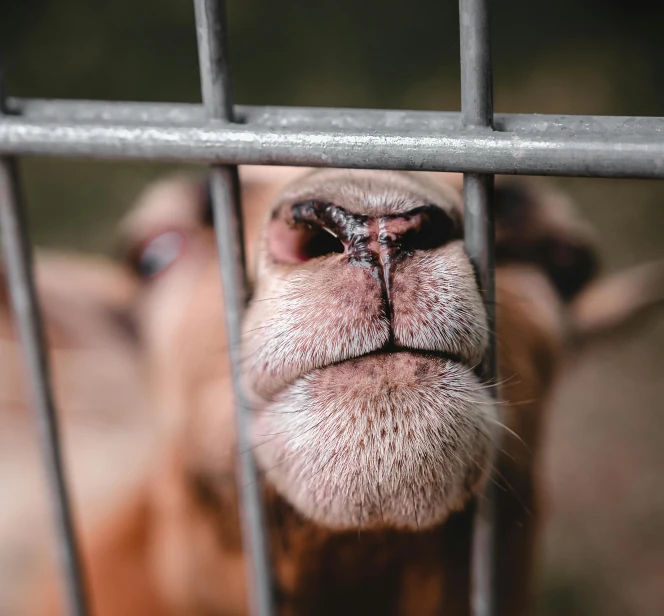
column 614, row 304
column 537, row 226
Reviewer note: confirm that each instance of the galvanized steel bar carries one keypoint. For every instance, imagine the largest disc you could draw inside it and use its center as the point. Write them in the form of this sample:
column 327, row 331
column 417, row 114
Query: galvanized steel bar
column 27, row 317
column 464, row 150
column 224, row 190
column 479, row 239
column 476, row 70
column 477, row 113
column 326, row 118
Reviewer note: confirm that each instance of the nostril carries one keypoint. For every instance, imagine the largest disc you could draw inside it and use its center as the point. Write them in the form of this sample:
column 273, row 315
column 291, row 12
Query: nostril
column 298, row 243
column 424, row 228
column 314, row 229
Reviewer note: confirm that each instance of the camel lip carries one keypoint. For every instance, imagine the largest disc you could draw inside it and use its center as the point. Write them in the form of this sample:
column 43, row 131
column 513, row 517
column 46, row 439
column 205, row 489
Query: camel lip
column 386, row 350
column 391, row 349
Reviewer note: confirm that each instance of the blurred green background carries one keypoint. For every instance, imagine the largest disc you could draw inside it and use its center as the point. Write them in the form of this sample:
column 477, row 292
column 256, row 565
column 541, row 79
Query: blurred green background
column 569, row 56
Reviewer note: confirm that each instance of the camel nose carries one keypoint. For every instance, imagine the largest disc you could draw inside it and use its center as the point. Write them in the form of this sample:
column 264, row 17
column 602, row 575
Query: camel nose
column 423, row 228
column 315, row 229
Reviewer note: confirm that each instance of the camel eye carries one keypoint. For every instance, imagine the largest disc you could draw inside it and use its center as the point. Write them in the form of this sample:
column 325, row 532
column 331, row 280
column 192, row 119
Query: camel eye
column 158, row 254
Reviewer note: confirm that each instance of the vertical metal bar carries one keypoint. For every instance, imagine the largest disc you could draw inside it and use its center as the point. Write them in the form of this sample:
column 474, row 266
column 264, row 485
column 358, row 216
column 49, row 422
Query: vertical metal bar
column 27, row 317
column 476, row 70
column 477, row 112
column 224, row 188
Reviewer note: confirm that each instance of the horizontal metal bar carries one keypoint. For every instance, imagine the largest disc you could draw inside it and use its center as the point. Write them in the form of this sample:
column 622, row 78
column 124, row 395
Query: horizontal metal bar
column 324, row 118
column 468, row 150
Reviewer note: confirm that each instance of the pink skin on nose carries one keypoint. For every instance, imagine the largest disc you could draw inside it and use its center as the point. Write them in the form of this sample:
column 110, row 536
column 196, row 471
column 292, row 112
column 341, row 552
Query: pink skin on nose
column 313, row 229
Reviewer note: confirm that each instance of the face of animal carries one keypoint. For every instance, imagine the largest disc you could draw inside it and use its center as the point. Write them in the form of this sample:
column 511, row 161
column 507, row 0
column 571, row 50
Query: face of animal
column 359, row 352
column 362, row 338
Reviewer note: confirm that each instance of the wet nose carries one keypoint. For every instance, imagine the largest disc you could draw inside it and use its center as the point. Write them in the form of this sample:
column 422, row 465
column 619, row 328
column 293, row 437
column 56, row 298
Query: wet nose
column 316, row 228
column 423, row 228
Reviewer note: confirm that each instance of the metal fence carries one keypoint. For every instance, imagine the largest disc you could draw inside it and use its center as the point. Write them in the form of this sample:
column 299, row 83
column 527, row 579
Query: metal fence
column 475, row 142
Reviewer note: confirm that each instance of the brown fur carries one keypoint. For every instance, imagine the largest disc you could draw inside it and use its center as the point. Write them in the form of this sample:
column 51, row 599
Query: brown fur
column 176, row 549
column 99, row 395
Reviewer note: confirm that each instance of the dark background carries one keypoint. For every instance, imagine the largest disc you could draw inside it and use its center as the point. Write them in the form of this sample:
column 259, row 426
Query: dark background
column 605, row 537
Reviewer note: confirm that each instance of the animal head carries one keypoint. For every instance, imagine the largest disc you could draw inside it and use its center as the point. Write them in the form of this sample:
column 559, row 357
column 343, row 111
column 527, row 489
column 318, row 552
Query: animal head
column 363, row 334
column 360, row 348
